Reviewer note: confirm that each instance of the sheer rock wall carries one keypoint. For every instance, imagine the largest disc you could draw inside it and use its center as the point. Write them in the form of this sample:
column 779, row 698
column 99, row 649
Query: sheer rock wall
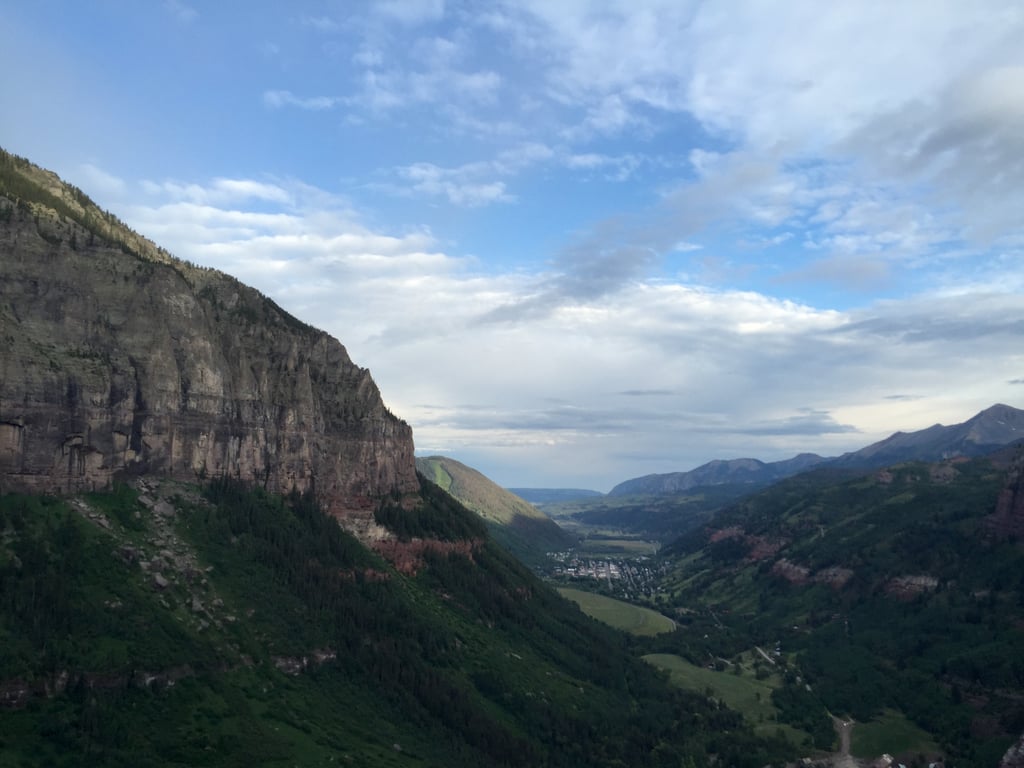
column 116, row 360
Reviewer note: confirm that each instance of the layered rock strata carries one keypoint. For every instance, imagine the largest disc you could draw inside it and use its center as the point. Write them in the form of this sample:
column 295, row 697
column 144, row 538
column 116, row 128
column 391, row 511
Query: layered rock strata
column 116, row 359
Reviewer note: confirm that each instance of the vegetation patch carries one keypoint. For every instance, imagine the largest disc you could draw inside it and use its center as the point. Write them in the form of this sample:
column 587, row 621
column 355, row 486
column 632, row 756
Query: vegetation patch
column 944, row 650
column 237, row 627
column 621, row 615
column 890, row 733
column 736, row 687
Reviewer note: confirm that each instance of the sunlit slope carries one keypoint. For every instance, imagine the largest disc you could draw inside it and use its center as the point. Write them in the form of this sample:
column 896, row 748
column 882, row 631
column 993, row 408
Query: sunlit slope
column 517, row 525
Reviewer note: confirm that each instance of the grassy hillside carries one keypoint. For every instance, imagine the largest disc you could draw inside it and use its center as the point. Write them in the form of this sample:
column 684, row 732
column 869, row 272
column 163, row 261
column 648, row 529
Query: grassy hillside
column 515, row 524
column 886, row 592
column 173, row 628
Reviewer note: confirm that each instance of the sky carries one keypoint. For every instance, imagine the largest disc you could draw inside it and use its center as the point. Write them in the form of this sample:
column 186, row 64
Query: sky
column 577, row 242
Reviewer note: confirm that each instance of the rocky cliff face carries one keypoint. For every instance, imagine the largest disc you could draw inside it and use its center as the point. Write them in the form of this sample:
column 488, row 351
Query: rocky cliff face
column 1008, row 519
column 116, row 359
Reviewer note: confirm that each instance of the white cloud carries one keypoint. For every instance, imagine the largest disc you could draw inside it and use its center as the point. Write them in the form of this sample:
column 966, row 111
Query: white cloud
column 455, row 185
column 392, row 89
column 848, row 145
column 807, row 106
column 182, row 13
column 221, row 191
column 599, row 50
column 320, row 23
column 279, row 99
column 610, row 116
column 472, row 184
column 100, row 182
column 410, row 12
column 964, row 147
column 747, row 373
column 614, row 167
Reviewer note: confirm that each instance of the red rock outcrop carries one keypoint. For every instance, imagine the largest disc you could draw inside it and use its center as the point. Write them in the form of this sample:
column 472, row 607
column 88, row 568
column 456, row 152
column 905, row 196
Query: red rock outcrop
column 791, row 572
column 409, row 557
column 909, row 587
column 1008, row 519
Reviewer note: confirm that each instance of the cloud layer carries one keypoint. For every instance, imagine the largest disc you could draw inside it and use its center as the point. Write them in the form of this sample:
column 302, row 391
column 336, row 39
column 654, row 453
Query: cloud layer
column 602, row 384
column 578, row 242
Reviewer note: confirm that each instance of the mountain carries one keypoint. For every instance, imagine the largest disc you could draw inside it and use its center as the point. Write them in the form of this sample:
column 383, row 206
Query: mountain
column 175, row 454
column 164, row 625
column 542, row 496
column 994, row 427
column 120, row 360
column 515, row 524
column 892, row 595
column 718, row 472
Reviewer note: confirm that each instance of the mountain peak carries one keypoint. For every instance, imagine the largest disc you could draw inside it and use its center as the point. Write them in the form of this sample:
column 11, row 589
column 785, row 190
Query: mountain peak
column 717, row 472
column 987, row 430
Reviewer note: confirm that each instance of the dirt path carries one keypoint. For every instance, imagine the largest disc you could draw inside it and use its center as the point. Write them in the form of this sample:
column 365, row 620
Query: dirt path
column 843, row 759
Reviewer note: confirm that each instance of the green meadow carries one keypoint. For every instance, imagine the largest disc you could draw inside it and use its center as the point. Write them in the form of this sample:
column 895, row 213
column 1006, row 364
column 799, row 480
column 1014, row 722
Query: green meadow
column 743, row 692
column 621, row 615
column 889, row 732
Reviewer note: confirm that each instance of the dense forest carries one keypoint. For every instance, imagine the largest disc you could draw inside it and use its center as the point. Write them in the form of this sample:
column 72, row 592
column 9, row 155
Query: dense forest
column 237, row 627
column 883, row 592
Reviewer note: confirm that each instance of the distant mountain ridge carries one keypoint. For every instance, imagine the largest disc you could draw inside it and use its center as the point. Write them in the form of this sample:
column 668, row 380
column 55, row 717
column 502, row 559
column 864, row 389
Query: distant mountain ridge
column 992, row 428
column 718, row 472
column 985, row 432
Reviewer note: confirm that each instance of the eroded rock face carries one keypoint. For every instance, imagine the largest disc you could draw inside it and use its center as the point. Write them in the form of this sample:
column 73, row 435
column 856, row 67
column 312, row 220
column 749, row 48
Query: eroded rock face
column 113, row 363
column 1008, row 519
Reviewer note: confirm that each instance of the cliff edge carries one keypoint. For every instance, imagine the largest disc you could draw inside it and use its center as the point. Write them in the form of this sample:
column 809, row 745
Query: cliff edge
column 117, row 359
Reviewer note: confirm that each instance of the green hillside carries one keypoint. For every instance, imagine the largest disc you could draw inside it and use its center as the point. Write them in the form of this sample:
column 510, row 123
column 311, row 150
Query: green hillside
column 170, row 627
column 515, row 524
column 892, row 592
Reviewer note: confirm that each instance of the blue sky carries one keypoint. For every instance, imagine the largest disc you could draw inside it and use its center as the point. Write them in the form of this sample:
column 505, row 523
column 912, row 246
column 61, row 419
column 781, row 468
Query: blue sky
column 577, row 242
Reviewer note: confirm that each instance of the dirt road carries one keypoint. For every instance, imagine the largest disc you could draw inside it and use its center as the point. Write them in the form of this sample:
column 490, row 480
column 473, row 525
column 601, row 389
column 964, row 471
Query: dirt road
column 843, row 759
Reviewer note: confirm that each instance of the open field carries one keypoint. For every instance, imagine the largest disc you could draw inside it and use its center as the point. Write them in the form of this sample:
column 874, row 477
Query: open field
column 891, row 732
column 749, row 696
column 619, row 614
column 616, row 545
